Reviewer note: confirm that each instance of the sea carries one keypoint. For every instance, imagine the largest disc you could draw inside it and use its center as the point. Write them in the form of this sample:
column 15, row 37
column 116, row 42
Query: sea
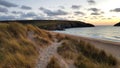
column 109, row 33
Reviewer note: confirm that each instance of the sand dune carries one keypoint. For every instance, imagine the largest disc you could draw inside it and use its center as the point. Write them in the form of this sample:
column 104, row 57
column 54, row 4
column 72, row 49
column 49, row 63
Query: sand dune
column 108, row 46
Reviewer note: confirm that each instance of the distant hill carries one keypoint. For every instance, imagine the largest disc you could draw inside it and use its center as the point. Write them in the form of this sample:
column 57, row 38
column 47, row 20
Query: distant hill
column 53, row 24
column 118, row 24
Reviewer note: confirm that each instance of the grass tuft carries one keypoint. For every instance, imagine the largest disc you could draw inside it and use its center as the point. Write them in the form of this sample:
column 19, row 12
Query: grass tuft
column 53, row 63
column 85, row 55
column 16, row 49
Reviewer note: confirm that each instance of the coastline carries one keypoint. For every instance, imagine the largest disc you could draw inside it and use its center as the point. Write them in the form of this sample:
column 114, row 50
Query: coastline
column 109, row 47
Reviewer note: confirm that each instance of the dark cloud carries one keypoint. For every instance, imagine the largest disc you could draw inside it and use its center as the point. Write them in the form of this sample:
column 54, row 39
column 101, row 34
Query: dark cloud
column 3, row 10
column 75, row 6
column 10, row 17
column 17, row 12
column 26, row 7
column 94, row 9
column 29, row 14
column 7, row 4
column 24, row 16
column 95, row 13
column 115, row 10
column 53, row 13
column 91, row 2
column 34, row 16
column 79, row 12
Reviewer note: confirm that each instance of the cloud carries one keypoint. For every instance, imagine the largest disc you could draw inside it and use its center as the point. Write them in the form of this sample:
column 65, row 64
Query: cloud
column 17, row 12
column 75, row 6
column 106, row 18
column 40, row 18
column 26, row 7
column 10, row 17
column 7, row 4
column 53, row 13
column 3, row 10
column 62, row 7
column 29, row 14
column 102, row 12
column 79, row 12
column 91, row 2
column 109, row 18
column 85, row 17
column 115, row 10
column 94, row 9
column 95, row 13
column 23, row 16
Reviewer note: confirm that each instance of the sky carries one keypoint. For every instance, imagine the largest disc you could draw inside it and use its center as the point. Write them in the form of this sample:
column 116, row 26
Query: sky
column 97, row 12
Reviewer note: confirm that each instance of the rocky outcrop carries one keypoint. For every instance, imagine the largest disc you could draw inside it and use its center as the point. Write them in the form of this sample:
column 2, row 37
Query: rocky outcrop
column 118, row 24
column 54, row 24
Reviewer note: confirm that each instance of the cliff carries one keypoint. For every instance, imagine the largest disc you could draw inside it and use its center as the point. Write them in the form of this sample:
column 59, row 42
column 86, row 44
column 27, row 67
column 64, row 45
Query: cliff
column 118, row 24
column 54, row 24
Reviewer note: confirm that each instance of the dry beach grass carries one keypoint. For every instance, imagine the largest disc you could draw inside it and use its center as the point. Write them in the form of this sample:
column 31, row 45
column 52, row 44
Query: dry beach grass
column 24, row 46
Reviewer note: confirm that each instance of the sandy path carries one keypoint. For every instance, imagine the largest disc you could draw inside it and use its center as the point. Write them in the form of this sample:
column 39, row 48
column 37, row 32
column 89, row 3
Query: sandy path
column 47, row 53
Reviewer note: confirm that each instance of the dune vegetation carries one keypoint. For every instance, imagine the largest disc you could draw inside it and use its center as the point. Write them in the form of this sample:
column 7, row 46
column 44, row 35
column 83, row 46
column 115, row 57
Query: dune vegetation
column 85, row 55
column 20, row 45
column 17, row 49
column 53, row 63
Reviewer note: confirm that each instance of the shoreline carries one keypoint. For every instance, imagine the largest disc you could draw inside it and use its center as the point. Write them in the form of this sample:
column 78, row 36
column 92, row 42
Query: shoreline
column 109, row 47
column 103, row 34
